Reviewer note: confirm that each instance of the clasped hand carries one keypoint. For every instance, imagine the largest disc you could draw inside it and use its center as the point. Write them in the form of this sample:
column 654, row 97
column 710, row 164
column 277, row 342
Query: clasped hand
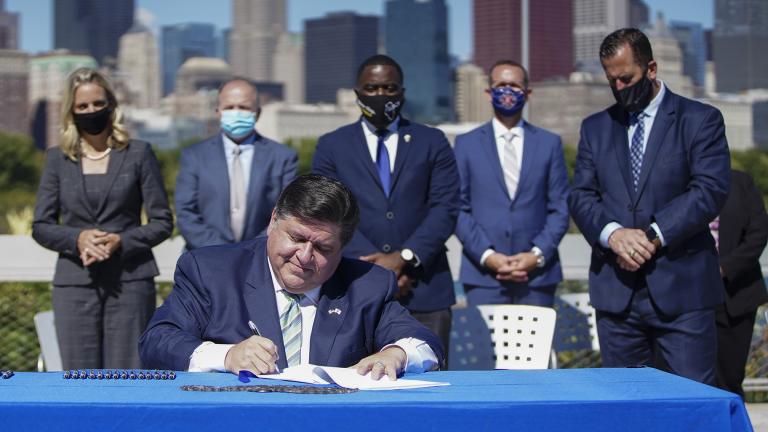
column 513, row 268
column 97, row 245
column 631, row 247
column 392, row 261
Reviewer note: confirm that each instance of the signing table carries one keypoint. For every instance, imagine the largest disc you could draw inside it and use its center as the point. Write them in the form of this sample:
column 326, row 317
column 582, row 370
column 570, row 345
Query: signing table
column 549, row 400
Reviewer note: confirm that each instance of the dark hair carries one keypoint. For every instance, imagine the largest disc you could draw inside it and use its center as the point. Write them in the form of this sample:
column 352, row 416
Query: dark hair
column 313, row 197
column 380, row 60
column 637, row 40
column 507, row 63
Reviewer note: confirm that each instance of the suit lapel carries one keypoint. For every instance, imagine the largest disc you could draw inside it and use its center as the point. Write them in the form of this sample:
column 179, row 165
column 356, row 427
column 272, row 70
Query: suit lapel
column 405, row 140
column 620, row 144
column 261, row 155
column 488, row 144
column 114, row 166
column 665, row 117
column 360, row 145
column 217, row 171
column 530, row 157
column 332, row 309
column 260, row 301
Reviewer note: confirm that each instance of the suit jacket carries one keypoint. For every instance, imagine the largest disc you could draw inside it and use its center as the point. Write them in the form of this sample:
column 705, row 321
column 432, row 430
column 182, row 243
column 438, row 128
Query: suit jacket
column 62, row 211
column 683, row 184
column 490, row 219
column 420, row 212
column 202, row 190
column 218, row 289
column 743, row 235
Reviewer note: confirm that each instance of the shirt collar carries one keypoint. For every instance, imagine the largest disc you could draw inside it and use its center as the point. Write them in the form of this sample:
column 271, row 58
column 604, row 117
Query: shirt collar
column 653, row 106
column 312, row 294
column 499, row 130
column 228, row 143
column 371, row 130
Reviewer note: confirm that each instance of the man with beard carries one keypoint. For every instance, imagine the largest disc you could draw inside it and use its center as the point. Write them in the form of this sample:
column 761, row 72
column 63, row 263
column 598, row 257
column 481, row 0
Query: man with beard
column 514, row 209
column 404, row 177
column 652, row 171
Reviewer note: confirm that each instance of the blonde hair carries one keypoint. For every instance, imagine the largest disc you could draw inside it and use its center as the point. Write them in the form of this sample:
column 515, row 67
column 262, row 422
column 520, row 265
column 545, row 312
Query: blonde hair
column 70, row 137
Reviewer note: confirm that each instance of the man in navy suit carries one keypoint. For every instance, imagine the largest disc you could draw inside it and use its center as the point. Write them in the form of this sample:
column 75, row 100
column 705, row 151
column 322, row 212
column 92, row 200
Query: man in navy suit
column 514, row 209
column 289, row 299
column 652, row 171
column 404, row 176
column 228, row 184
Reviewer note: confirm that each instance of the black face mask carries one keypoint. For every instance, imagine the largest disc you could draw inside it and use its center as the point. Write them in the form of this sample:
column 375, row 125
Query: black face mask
column 380, row 110
column 93, row 123
column 635, row 97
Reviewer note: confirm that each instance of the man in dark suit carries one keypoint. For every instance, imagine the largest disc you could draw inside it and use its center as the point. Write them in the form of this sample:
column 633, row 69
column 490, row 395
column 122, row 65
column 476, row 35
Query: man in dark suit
column 304, row 302
column 514, row 209
column 228, row 184
column 404, row 176
column 741, row 232
column 651, row 172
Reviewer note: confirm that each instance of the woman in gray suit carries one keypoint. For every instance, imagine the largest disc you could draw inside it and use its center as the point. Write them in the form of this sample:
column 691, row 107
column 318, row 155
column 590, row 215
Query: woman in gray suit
column 88, row 209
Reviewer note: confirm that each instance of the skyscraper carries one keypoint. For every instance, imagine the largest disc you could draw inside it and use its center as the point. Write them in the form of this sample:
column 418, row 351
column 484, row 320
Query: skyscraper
column 14, row 78
column 289, row 66
column 257, row 27
column 417, row 37
column 9, row 28
column 91, row 26
column 694, row 46
column 740, row 41
column 181, row 42
column 334, row 47
column 139, row 66
column 472, row 104
column 498, row 36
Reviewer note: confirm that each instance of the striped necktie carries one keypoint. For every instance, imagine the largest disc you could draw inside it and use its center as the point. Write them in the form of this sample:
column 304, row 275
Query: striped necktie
column 510, row 165
column 290, row 324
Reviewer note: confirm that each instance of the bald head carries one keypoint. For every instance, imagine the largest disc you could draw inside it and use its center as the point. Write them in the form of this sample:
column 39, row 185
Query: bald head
column 238, row 94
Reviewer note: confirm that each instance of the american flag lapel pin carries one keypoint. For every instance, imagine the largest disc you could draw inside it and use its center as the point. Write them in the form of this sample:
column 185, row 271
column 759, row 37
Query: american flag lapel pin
column 336, row 311
column 407, row 138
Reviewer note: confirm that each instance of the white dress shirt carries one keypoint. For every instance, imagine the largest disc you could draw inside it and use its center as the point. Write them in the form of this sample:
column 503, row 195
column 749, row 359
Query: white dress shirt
column 210, row 356
column 246, row 157
column 648, row 118
column 390, row 142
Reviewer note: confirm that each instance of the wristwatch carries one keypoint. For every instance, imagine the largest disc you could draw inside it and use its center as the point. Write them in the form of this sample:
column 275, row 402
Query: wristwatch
column 409, row 257
column 652, row 236
column 540, row 260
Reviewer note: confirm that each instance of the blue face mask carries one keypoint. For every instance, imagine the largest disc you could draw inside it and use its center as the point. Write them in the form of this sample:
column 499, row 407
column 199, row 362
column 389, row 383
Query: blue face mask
column 507, row 100
column 237, row 123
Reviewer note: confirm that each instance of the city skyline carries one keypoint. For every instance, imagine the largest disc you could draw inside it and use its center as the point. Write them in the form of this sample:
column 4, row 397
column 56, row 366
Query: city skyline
column 36, row 38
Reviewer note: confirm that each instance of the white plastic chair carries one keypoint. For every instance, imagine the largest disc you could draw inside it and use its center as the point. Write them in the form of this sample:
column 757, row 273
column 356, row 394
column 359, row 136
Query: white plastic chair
column 50, row 357
column 581, row 321
column 521, row 335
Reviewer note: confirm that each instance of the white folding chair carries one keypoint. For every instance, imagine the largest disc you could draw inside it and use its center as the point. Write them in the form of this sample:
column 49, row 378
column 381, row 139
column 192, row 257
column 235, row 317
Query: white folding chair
column 50, row 357
column 521, row 335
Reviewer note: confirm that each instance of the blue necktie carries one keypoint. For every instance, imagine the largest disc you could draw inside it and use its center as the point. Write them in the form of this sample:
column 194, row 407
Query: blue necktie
column 382, row 162
column 636, row 149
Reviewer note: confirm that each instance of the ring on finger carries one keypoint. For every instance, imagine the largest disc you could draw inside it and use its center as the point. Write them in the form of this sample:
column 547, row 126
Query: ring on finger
column 380, row 363
column 632, row 253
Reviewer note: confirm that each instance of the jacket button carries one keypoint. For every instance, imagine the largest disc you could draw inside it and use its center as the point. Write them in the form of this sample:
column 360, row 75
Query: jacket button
column 390, row 215
column 386, row 248
column 630, row 207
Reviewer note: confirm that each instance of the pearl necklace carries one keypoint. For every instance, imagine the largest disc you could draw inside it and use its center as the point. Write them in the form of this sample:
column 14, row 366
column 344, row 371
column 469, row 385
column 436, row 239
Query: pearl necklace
column 99, row 157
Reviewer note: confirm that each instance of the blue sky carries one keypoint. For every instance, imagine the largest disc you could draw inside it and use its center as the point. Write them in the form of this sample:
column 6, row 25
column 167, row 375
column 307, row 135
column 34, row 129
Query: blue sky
column 37, row 15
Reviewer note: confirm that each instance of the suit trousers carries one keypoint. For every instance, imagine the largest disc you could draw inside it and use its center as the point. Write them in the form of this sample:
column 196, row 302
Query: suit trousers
column 98, row 326
column 686, row 342
column 734, row 338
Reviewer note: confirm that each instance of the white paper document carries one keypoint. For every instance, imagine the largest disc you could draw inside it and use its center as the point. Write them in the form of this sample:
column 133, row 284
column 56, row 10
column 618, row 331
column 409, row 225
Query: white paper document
column 347, row 378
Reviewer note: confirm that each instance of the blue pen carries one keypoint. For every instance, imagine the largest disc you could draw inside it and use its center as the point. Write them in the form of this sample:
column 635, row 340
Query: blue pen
column 256, row 332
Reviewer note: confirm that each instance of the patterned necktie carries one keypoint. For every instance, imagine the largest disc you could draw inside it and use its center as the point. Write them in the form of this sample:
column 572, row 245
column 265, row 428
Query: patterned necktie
column 636, row 149
column 510, row 165
column 237, row 196
column 714, row 228
column 290, row 324
column 382, row 161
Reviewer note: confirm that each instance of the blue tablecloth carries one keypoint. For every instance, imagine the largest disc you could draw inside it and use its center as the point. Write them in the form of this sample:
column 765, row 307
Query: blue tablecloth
column 549, row 400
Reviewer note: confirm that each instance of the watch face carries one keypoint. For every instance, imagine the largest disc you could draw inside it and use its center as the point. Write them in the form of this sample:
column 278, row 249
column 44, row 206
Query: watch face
column 650, row 234
column 407, row 255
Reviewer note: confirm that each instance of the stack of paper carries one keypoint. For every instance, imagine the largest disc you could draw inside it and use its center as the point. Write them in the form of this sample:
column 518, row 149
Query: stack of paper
column 347, row 378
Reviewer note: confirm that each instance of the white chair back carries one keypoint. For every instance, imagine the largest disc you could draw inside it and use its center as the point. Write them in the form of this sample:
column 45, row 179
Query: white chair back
column 521, row 335
column 49, row 344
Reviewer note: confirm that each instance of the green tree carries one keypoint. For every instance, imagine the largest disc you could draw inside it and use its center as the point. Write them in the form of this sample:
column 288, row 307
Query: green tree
column 20, row 168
